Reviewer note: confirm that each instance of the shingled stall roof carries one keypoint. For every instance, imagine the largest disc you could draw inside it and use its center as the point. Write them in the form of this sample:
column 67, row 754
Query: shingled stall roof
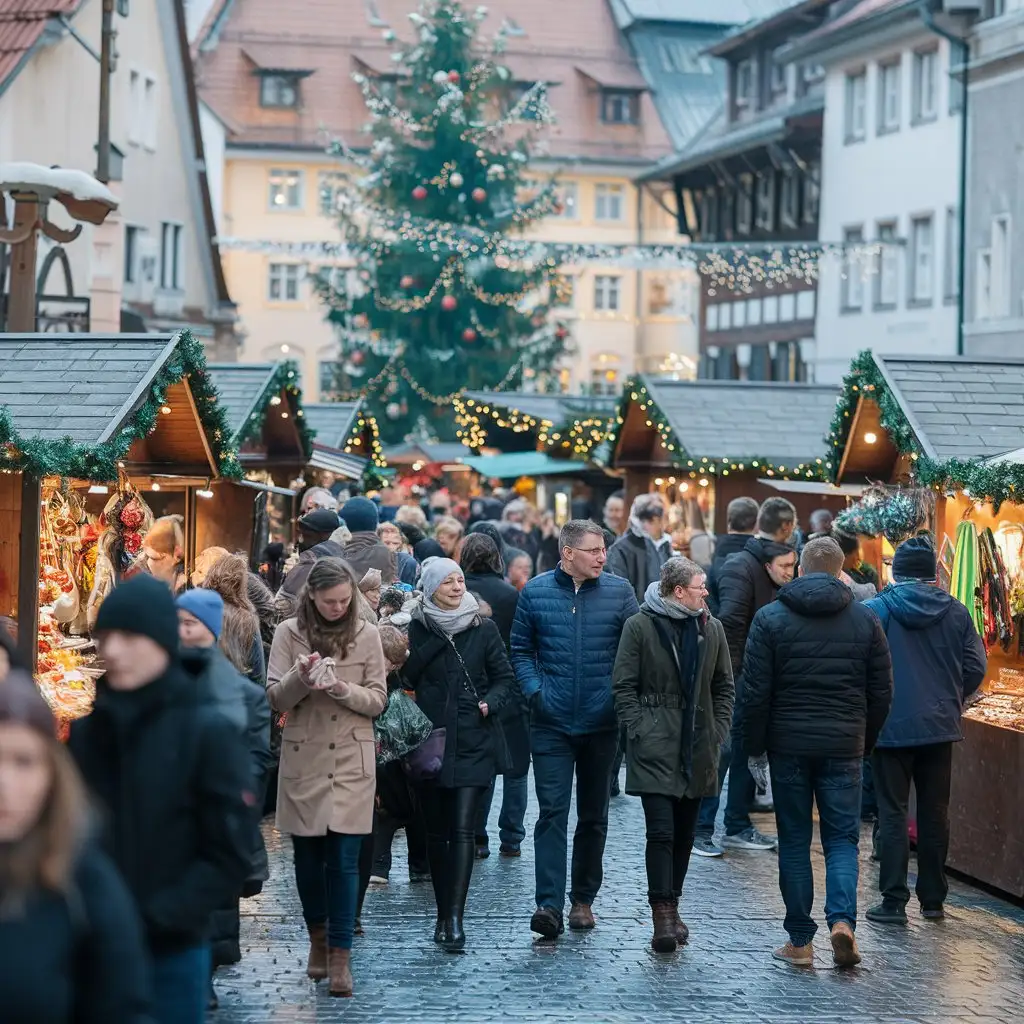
column 77, row 405
column 718, row 427
column 552, row 409
column 932, row 421
column 332, row 422
column 263, row 406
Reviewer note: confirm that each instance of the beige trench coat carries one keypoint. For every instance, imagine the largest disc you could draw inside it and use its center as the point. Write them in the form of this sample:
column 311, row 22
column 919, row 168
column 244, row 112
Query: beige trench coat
column 328, row 774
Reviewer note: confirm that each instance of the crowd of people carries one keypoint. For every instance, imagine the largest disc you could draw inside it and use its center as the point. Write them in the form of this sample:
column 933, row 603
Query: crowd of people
column 764, row 656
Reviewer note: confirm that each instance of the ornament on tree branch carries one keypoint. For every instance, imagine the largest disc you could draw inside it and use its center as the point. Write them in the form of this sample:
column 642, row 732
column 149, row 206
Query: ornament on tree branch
column 407, row 281
column 479, row 195
column 449, row 302
column 357, row 358
column 419, row 193
column 469, row 335
column 454, row 77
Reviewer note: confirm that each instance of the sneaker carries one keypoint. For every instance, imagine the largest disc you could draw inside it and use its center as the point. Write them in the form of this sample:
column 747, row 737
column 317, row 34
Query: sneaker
column 378, row 880
column 798, row 956
column 749, row 839
column 934, row 912
column 844, row 945
column 705, row 846
column 763, row 804
column 581, row 917
column 509, row 851
column 887, row 912
column 547, row 922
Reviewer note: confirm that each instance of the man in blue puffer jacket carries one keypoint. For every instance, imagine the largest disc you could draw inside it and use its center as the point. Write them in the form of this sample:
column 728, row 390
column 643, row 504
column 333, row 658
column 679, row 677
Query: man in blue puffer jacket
column 564, row 640
column 938, row 660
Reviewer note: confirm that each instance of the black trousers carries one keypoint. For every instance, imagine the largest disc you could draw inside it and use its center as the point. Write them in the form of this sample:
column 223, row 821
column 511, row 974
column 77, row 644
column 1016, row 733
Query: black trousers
column 670, row 827
column 929, row 769
column 451, row 816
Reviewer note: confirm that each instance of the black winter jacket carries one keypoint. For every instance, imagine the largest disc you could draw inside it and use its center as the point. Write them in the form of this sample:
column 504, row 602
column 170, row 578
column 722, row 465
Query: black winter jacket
column 725, row 545
column 172, row 775
column 476, row 748
column 78, row 956
column 501, row 596
column 639, row 560
column 817, row 674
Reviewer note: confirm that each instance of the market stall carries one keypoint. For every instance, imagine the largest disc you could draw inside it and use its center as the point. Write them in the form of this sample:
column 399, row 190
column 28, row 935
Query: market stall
column 703, row 443
column 954, row 426
column 100, row 437
column 347, row 449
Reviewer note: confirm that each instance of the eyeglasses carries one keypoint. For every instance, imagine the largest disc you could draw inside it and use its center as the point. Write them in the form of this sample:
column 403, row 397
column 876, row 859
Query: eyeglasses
column 702, row 589
column 591, row 551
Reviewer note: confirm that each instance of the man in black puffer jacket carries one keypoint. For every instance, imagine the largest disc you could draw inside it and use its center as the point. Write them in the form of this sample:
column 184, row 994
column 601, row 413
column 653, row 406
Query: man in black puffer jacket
column 817, row 680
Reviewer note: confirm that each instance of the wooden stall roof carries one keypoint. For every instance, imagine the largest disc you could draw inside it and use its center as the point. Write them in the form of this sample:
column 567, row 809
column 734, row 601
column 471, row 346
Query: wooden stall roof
column 243, row 389
column 332, row 422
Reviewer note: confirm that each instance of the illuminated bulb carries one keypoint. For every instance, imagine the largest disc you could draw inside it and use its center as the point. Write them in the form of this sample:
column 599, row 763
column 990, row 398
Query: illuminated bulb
column 704, row 482
column 658, row 482
column 870, row 438
column 284, row 415
column 684, row 486
column 166, row 410
column 276, row 400
column 285, row 348
column 98, row 489
column 155, row 487
column 206, row 493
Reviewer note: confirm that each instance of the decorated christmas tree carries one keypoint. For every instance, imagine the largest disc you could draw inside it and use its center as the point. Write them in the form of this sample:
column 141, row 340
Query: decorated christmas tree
column 445, row 293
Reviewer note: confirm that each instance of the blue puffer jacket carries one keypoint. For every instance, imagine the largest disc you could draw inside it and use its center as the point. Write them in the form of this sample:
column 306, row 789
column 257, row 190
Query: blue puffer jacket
column 938, row 660
column 563, row 648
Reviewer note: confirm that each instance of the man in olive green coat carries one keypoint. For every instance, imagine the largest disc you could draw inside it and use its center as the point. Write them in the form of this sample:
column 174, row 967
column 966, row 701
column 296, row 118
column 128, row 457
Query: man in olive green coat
column 674, row 695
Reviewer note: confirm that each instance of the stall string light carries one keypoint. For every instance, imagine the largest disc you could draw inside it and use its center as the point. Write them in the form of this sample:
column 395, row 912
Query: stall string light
column 355, row 439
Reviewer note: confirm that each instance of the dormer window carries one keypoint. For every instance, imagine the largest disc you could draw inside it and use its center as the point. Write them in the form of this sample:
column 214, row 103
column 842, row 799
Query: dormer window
column 620, row 106
column 279, row 91
column 746, row 86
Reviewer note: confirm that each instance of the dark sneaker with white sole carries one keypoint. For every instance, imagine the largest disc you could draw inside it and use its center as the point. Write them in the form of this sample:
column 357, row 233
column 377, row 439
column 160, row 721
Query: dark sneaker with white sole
column 750, row 839
column 705, row 846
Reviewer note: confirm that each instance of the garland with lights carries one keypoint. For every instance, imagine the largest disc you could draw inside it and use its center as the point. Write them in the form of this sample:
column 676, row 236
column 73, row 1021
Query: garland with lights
column 285, row 378
column 987, row 483
column 100, row 462
column 355, row 440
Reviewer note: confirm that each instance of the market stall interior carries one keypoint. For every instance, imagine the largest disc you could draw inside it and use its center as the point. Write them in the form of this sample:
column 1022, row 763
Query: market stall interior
column 98, row 434
column 346, row 449
column 953, row 427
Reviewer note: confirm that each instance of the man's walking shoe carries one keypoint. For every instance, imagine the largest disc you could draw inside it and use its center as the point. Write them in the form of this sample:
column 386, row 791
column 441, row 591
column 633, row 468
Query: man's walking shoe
column 798, row 956
column 339, row 962
column 483, row 850
column 212, row 1002
column 664, row 916
column 547, row 922
column 509, row 851
column 616, row 791
column 358, row 929
column 682, row 932
column 378, row 880
column 416, row 877
column 316, row 965
column 750, row 839
column 844, row 945
column 933, row 912
column 887, row 912
column 581, row 917
column 705, row 846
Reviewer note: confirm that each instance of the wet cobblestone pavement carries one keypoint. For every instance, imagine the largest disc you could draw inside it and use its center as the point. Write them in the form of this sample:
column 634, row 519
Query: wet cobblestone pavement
column 967, row 968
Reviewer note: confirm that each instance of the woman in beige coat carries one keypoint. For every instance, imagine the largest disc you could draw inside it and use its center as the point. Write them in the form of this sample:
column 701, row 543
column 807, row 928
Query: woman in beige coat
column 327, row 675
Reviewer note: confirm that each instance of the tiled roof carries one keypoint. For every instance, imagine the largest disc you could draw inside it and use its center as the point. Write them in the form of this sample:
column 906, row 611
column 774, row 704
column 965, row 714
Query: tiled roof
column 329, row 35
column 22, row 22
column 694, row 12
column 967, row 407
column 82, row 386
column 555, row 409
column 331, row 421
column 787, row 13
column 241, row 388
column 743, row 420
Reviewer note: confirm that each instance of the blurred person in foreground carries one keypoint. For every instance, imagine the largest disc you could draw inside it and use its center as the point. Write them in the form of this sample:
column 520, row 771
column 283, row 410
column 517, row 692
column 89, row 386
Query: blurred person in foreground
column 938, row 661
column 172, row 776
column 817, row 685
column 73, row 948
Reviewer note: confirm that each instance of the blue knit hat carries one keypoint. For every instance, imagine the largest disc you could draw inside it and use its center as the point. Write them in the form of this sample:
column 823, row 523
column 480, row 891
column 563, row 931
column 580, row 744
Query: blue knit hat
column 915, row 560
column 206, row 605
column 360, row 515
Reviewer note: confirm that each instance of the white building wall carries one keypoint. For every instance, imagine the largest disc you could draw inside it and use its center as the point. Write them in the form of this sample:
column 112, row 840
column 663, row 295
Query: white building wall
column 890, row 177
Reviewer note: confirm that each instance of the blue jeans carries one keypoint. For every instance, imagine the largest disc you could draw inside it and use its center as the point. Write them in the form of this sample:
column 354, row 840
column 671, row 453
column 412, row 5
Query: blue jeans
column 710, row 804
column 181, row 986
column 511, row 830
column 557, row 756
column 834, row 784
column 327, row 877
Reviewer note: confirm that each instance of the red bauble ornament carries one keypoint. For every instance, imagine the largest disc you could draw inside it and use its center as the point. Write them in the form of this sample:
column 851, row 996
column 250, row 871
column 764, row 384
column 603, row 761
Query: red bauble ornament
column 561, row 334
column 469, row 334
column 479, row 195
column 419, row 193
column 357, row 358
column 407, row 281
column 453, row 77
column 360, row 320
column 449, row 302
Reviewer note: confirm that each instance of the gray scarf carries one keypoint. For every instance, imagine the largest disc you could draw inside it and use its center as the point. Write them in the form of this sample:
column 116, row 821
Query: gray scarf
column 670, row 609
column 453, row 622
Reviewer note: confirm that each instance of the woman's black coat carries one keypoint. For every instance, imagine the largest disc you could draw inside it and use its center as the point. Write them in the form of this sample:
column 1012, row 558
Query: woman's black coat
column 501, row 596
column 476, row 748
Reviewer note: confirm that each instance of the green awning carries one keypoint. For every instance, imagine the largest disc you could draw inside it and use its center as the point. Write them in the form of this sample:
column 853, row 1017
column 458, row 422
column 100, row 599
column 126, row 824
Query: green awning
column 516, row 464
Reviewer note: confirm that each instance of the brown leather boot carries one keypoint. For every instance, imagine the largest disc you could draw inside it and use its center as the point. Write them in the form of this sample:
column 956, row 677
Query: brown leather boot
column 316, row 966
column 682, row 932
column 581, row 917
column 664, row 915
column 339, row 964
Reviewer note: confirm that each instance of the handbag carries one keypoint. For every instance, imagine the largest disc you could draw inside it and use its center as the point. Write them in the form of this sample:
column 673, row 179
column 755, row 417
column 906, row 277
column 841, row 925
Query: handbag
column 424, row 763
column 400, row 728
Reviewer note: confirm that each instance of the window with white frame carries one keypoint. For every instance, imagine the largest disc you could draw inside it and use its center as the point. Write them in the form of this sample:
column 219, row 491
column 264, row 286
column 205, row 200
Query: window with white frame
column 568, row 200
column 604, row 381
column 283, row 282
column 889, row 97
column 150, row 113
column 856, row 107
column 789, row 198
column 329, row 184
column 983, row 286
column 609, row 202
column 852, row 289
column 620, row 106
column 709, row 215
column 279, row 92
column 926, row 85
column 951, row 262
column 812, row 193
column 779, row 78
column 745, row 204
column 171, row 255
column 921, row 287
column 131, row 252
column 746, row 85
column 887, row 267
column 134, row 108
column 1001, row 272
column 766, row 201
column 285, row 189
column 607, row 293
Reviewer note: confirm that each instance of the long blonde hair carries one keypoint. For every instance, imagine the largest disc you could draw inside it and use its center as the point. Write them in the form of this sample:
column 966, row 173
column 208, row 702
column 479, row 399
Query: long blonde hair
column 229, row 577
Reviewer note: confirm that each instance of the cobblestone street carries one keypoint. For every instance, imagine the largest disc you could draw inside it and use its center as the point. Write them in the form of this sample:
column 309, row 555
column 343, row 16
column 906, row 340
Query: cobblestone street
column 969, row 967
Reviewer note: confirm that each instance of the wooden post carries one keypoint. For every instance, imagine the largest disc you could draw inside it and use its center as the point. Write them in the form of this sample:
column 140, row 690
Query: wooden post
column 28, row 569
column 21, row 310
column 190, row 530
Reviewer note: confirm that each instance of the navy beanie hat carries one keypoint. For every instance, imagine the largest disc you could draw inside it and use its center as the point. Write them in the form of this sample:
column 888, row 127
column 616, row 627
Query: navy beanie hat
column 144, row 606
column 914, row 560
column 360, row 515
column 207, row 606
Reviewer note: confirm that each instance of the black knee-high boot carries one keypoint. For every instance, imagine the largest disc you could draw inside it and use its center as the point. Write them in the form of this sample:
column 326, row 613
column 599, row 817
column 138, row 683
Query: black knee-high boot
column 437, row 856
column 461, row 855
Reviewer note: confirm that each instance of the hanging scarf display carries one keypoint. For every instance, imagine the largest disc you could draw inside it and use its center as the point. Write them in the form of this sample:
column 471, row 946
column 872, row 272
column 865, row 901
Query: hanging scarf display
column 995, row 592
column 964, row 585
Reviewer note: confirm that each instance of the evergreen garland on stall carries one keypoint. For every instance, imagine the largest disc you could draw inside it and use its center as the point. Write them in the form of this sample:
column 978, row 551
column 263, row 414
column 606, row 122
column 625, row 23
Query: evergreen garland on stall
column 987, row 483
column 285, row 378
column 880, row 513
column 67, row 458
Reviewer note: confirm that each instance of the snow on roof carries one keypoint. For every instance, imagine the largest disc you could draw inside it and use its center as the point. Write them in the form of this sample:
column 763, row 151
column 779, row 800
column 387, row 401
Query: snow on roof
column 36, row 178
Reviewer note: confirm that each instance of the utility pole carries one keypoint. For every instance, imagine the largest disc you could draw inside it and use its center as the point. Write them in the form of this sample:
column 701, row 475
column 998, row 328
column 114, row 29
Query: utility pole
column 106, row 71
